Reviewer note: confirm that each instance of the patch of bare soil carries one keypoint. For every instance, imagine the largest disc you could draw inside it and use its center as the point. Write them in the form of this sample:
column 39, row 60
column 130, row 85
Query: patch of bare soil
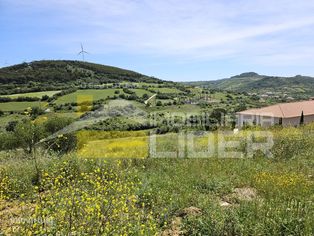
column 245, row 194
column 239, row 194
column 225, row 204
column 190, row 211
column 175, row 228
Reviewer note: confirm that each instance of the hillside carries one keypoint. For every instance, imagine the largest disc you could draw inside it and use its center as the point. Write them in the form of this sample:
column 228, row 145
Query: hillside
column 62, row 74
column 297, row 86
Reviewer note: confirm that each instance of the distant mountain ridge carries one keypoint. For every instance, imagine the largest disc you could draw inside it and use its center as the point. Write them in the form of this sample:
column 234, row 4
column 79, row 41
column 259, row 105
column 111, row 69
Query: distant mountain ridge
column 62, row 74
column 298, row 86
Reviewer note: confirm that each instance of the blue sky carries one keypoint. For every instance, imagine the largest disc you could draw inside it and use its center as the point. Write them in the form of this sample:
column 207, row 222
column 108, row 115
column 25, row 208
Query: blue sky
column 180, row 40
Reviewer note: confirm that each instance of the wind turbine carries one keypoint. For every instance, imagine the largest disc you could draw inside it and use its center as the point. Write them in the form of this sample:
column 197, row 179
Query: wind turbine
column 82, row 52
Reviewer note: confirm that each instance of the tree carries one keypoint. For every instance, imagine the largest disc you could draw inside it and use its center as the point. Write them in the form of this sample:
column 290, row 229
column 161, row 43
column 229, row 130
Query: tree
column 122, row 96
column 219, row 115
column 45, row 98
column 145, row 96
column 132, row 97
column 28, row 134
column 63, row 143
column 159, row 103
column 240, row 107
column 302, row 119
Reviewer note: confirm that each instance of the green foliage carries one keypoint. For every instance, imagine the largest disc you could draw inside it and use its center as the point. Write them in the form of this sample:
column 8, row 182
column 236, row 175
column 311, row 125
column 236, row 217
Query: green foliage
column 28, row 135
column 281, row 205
column 44, row 97
column 55, row 124
column 298, row 86
column 290, row 143
column 218, row 115
column 20, row 106
column 50, row 75
column 36, row 111
column 120, row 123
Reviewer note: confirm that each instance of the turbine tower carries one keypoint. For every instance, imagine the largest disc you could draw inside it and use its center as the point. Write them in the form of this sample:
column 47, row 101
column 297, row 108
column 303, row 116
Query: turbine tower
column 82, row 52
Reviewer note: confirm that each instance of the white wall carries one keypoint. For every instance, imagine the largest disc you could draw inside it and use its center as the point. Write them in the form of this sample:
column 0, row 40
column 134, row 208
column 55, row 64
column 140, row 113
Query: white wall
column 264, row 121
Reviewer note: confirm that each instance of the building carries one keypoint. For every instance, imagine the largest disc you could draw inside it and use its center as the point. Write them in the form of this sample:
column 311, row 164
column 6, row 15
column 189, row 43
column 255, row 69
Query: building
column 286, row 114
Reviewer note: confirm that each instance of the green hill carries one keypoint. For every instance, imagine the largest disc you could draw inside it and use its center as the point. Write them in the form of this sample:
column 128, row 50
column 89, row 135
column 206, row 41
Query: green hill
column 297, row 86
column 61, row 74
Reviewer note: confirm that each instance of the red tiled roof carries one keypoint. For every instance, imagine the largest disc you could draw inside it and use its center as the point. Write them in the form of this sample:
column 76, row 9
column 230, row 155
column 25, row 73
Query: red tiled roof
column 285, row 110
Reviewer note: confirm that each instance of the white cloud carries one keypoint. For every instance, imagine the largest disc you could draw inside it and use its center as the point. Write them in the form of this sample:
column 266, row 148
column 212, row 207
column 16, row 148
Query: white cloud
column 200, row 29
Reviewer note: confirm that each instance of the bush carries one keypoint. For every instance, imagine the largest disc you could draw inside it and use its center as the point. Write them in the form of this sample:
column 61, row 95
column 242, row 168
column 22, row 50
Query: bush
column 36, row 111
column 64, row 143
column 56, row 123
column 45, row 98
column 10, row 127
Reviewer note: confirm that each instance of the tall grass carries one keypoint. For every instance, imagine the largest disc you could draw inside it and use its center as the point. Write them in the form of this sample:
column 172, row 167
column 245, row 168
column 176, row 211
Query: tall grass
column 147, row 194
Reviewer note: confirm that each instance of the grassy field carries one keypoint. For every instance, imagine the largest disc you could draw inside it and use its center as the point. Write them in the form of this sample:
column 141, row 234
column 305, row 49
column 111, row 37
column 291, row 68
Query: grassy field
column 87, row 95
column 141, row 92
column 167, row 90
column 132, row 147
column 186, row 108
column 73, row 115
column 112, row 183
column 20, row 106
column 197, row 197
column 164, row 101
column 35, row 94
column 219, row 95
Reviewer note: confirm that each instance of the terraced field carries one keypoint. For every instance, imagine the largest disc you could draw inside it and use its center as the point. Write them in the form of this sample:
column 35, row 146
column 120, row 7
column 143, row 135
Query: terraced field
column 167, row 90
column 20, row 106
column 141, row 92
column 32, row 95
column 87, row 95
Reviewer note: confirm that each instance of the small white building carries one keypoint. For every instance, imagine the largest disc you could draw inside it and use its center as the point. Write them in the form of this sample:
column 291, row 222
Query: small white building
column 286, row 114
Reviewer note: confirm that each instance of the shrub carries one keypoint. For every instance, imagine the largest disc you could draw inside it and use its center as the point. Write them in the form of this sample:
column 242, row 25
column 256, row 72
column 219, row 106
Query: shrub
column 56, row 123
column 45, row 98
column 10, row 127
